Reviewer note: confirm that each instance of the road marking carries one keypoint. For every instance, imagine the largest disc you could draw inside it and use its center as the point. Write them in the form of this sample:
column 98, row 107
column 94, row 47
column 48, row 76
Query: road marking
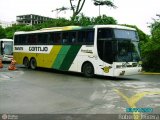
column 10, row 75
column 134, row 99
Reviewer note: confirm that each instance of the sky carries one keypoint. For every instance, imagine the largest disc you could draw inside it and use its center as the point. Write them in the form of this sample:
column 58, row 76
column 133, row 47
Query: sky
column 134, row 12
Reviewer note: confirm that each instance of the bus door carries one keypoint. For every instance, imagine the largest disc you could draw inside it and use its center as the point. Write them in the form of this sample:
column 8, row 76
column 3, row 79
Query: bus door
column 107, row 48
column 1, row 47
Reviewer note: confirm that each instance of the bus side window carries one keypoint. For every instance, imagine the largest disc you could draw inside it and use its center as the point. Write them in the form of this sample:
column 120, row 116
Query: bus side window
column 16, row 39
column 42, row 38
column 22, row 39
column 81, row 36
column 32, row 39
column 104, row 33
column 57, row 38
column 89, row 37
column 72, row 37
column 65, row 37
column 51, row 38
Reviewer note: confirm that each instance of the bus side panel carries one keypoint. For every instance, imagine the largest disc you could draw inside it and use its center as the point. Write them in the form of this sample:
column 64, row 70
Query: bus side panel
column 18, row 57
column 66, row 57
column 49, row 59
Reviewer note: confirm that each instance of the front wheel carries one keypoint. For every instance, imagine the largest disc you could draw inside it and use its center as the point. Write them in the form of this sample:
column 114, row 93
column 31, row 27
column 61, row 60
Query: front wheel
column 33, row 63
column 88, row 70
column 26, row 62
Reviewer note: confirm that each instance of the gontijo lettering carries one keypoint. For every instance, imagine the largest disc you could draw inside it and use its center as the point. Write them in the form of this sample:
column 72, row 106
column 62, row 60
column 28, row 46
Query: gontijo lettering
column 18, row 48
column 38, row 49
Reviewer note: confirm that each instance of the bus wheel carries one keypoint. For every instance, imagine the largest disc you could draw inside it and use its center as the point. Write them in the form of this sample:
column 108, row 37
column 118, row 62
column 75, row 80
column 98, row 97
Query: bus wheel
column 33, row 63
column 26, row 62
column 88, row 70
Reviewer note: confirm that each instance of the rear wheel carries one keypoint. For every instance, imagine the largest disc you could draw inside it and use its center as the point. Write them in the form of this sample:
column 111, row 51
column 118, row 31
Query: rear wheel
column 33, row 63
column 88, row 70
column 26, row 62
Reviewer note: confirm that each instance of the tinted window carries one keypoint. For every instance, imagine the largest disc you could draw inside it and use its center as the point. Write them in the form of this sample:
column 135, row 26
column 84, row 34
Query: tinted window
column 105, row 33
column 89, row 36
column 42, row 38
column 81, row 36
column 72, row 37
column 20, row 39
column 32, row 39
column 65, row 37
column 57, row 38
column 86, row 37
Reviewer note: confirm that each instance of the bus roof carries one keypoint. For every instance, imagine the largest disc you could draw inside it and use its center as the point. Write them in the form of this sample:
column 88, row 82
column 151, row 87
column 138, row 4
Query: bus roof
column 5, row 39
column 74, row 28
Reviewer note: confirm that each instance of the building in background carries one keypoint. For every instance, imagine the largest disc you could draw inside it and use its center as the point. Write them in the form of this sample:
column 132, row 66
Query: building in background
column 31, row 19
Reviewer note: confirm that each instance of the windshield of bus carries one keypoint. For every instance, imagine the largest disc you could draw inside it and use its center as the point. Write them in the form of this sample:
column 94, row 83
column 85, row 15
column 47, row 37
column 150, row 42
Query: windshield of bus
column 118, row 45
column 7, row 47
column 128, row 45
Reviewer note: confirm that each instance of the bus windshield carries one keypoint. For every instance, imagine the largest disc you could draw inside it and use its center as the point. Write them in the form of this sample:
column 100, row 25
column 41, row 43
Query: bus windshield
column 128, row 51
column 8, row 47
column 118, row 45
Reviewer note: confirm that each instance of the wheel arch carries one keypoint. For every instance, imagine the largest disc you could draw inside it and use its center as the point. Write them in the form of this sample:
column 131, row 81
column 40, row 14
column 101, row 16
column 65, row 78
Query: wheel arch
column 25, row 57
column 31, row 64
column 85, row 62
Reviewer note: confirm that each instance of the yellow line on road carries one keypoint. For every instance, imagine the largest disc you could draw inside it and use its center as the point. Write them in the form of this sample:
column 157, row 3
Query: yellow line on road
column 134, row 99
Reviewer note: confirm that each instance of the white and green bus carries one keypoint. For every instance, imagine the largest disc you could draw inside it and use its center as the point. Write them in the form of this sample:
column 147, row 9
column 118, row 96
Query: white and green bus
column 6, row 49
column 109, row 50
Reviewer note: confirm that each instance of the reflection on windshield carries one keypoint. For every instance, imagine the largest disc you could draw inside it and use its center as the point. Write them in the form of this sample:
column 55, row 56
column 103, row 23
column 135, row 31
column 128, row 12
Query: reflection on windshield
column 128, row 51
column 8, row 48
column 125, row 34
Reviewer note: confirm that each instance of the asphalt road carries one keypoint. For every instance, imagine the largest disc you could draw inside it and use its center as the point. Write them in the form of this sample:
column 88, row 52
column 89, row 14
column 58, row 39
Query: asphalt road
column 46, row 91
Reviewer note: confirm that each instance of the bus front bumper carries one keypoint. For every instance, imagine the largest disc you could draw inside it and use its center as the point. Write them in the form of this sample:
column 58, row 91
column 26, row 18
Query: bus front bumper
column 127, row 71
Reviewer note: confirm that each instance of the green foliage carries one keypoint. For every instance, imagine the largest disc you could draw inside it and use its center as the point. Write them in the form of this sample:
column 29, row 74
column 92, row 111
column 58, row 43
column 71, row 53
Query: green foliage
column 54, row 23
column 151, row 58
column 76, row 9
column 104, row 2
column 142, row 36
column 102, row 20
column 11, row 30
column 83, row 20
column 2, row 33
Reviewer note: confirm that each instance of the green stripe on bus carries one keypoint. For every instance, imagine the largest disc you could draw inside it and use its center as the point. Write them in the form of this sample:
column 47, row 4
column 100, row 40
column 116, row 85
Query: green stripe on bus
column 70, row 56
column 60, row 57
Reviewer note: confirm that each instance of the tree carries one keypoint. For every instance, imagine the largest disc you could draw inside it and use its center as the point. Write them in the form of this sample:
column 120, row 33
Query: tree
column 103, row 2
column 83, row 20
column 2, row 33
column 58, row 10
column 9, row 31
column 103, row 20
column 76, row 8
column 151, row 50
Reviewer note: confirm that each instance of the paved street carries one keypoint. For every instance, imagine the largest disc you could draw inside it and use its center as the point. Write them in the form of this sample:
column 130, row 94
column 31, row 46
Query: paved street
column 44, row 91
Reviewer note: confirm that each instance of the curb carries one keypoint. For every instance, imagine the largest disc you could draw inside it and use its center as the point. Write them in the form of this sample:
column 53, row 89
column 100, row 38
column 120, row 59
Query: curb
column 150, row 73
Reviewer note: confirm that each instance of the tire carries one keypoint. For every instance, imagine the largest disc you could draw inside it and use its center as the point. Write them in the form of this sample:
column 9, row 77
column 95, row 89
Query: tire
column 88, row 70
column 33, row 63
column 26, row 62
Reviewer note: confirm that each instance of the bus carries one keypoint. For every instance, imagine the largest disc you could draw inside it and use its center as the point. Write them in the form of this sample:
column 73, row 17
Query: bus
column 109, row 50
column 6, row 49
